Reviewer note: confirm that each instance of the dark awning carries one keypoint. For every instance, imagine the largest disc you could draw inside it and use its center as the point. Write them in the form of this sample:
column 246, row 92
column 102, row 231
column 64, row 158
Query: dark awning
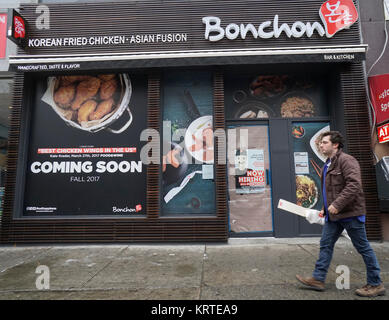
column 42, row 63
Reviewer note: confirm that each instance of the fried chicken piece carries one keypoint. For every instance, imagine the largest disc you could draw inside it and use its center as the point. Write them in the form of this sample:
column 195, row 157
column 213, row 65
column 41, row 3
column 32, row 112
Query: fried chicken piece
column 108, row 88
column 85, row 90
column 102, row 109
column 85, row 110
column 64, row 96
column 66, row 80
column 106, row 77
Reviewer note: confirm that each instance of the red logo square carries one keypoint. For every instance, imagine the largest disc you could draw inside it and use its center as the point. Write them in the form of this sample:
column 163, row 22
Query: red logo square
column 19, row 27
column 337, row 15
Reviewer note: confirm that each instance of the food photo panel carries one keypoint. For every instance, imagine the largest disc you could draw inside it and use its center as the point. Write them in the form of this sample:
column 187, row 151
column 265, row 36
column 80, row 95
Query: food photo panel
column 308, row 161
column 188, row 150
column 263, row 96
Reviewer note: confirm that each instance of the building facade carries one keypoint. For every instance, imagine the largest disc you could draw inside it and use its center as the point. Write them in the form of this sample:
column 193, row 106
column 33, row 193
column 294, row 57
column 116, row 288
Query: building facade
column 182, row 120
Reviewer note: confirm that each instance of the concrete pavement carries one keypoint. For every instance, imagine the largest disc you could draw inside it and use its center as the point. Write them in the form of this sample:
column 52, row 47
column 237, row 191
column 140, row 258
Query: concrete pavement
column 243, row 269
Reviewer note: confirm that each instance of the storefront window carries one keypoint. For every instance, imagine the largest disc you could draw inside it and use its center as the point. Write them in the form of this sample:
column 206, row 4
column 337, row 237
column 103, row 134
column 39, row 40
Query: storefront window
column 187, row 155
column 255, row 96
column 249, row 179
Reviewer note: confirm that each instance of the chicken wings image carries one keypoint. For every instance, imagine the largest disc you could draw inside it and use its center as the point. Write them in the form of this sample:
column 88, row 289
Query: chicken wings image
column 85, row 90
column 106, row 77
column 108, row 88
column 64, row 96
column 85, row 110
column 66, row 80
column 102, row 109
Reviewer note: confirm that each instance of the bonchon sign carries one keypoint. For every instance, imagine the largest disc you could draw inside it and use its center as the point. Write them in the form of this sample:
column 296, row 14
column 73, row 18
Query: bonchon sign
column 335, row 15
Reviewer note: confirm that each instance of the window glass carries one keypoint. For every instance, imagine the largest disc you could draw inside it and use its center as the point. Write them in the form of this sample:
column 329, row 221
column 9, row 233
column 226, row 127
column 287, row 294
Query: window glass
column 187, row 152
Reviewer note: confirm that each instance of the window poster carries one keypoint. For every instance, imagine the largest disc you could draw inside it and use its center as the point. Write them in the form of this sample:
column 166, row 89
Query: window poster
column 84, row 147
column 187, row 152
column 301, row 164
column 308, row 161
column 250, row 171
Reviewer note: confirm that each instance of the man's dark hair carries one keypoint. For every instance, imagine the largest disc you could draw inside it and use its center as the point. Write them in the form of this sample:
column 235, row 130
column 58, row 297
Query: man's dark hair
column 335, row 137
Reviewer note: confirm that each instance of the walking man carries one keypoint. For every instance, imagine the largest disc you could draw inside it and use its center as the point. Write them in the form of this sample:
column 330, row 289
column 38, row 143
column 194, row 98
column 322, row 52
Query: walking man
column 344, row 208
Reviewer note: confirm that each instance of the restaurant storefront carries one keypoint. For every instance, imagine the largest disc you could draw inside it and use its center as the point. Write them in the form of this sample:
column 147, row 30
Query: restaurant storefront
column 181, row 121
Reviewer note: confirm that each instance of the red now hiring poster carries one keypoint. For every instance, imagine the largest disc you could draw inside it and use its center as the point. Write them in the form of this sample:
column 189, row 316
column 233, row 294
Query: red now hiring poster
column 379, row 96
column 3, row 34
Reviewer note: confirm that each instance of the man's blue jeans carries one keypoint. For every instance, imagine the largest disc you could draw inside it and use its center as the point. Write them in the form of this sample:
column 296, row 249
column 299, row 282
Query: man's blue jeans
column 356, row 230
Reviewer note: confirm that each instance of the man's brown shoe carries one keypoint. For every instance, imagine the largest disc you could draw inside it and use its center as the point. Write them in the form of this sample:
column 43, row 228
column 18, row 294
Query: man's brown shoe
column 311, row 283
column 371, row 291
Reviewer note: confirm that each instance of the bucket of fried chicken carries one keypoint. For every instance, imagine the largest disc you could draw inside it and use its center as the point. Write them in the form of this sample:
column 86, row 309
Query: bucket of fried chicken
column 90, row 103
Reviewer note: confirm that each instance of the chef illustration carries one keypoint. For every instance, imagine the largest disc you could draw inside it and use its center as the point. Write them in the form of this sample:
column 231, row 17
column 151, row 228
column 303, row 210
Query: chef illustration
column 241, row 163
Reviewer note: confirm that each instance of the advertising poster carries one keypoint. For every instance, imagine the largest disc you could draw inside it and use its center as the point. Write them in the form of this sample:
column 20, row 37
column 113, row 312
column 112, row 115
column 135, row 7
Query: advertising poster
column 3, row 34
column 308, row 161
column 188, row 151
column 250, row 171
column 84, row 147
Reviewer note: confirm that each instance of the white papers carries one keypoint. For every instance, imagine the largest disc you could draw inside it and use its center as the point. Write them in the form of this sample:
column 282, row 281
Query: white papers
column 301, row 165
column 207, row 171
column 293, row 208
column 312, row 216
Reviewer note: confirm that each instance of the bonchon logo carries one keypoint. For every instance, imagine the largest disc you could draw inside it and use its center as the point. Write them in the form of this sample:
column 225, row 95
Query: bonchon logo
column 137, row 208
column 338, row 15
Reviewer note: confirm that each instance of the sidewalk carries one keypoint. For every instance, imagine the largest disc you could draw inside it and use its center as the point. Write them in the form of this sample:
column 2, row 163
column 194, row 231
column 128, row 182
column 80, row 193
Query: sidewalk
column 249, row 269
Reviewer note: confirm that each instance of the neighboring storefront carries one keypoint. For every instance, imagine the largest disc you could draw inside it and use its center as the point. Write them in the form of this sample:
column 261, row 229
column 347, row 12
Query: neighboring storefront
column 375, row 26
column 181, row 121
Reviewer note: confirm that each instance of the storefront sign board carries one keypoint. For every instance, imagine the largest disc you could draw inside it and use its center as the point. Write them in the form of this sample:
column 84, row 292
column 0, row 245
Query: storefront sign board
column 256, row 23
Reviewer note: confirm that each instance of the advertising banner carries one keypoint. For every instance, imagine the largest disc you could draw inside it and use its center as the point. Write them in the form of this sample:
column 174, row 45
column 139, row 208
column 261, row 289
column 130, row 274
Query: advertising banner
column 3, row 34
column 379, row 96
column 84, row 152
column 16, row 27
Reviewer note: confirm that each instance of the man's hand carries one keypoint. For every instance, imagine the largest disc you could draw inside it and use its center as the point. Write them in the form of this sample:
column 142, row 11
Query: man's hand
column 321, row 213
column 332, row 209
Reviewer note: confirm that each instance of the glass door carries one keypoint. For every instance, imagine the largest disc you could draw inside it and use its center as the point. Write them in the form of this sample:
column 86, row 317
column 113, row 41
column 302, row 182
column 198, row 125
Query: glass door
column 249, row 180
